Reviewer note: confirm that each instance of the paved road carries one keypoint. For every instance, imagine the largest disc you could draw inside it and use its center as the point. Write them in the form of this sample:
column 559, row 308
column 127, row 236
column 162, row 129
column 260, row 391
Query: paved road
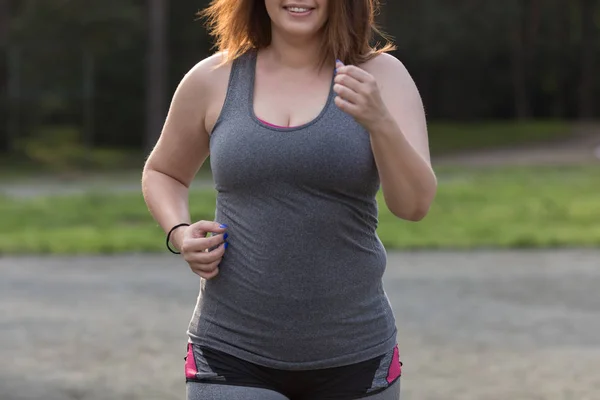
column 473, row 326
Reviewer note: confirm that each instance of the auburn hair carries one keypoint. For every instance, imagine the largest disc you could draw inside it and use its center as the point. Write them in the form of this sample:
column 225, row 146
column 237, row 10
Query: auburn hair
column 241, row 25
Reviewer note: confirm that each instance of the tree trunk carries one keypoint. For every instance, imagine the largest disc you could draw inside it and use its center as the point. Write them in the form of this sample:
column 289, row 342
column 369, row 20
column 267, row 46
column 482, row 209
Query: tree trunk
column 4, row 104
column 524, row 36
column 561, row 63
column 586, row 84
column 157, row 53
column 522, row 105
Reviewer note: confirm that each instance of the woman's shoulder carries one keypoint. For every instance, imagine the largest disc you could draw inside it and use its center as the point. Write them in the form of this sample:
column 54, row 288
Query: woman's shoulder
column 207, row 73
column 383, row 63
column 205, row 86
column 210, row 80
column 385, row 68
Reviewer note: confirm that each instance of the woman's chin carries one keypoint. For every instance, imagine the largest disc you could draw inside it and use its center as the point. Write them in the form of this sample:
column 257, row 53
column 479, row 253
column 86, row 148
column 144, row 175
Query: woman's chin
column 298, row 31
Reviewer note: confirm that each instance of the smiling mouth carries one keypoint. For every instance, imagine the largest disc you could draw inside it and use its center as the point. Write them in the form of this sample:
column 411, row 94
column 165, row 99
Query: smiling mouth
column 298, row 10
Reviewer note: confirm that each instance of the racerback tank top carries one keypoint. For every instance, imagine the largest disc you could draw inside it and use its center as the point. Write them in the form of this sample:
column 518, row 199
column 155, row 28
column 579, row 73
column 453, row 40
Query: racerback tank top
column 300, row 286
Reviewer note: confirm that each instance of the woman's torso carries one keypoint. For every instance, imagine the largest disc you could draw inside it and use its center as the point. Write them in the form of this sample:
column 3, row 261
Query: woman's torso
column 300, row 286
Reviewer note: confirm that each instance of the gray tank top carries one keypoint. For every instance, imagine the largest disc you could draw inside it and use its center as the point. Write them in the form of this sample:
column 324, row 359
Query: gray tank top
column 300, row 286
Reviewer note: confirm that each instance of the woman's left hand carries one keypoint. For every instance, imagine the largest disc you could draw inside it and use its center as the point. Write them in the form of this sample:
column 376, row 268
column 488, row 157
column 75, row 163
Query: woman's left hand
column 358, row 95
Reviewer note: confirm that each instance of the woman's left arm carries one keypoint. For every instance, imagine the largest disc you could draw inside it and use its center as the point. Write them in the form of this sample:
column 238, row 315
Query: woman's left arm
column 384, row 99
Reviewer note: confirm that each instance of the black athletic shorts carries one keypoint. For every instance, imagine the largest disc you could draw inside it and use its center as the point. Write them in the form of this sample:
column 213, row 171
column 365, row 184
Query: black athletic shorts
column 354, row 381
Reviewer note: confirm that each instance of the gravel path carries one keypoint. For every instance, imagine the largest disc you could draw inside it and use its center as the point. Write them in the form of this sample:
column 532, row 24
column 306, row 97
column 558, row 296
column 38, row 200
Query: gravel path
column 51, row 186
column 473, row 326
column 583, row 148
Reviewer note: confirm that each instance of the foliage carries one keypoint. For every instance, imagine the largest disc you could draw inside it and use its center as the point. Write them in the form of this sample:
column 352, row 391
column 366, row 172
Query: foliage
column 68, row 50
column 448, row 137
column 59, row 148
column 102, row 26
column 472, row 60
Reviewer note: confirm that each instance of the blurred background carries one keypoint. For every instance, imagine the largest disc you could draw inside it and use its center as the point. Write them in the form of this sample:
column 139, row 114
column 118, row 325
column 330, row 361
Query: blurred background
column 81, row 83
column 495, row 292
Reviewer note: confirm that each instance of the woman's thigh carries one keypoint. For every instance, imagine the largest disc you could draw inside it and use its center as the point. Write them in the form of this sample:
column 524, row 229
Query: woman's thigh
column 212, row 391
column 391, row 393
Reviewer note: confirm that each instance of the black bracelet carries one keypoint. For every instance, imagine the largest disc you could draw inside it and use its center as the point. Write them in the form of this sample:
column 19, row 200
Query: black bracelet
column 169, row 237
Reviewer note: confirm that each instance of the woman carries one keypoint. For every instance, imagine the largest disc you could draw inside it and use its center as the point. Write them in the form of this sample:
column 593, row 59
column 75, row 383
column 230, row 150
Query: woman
column 292, row 304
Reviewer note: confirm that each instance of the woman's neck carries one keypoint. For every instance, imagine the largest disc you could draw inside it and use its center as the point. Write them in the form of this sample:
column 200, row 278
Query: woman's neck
column 295, row 53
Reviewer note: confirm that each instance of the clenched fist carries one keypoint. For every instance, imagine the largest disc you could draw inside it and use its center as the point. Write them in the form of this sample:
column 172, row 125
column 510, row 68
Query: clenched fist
column 202, row 253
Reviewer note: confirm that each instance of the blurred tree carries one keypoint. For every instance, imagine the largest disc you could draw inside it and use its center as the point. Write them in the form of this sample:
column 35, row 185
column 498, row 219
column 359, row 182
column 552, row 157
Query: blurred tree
column 589, row 39
column 156, row 71
column 63, row 36
column 524, row 33
column 471, row 59
column 4, row 104
column 557, row 46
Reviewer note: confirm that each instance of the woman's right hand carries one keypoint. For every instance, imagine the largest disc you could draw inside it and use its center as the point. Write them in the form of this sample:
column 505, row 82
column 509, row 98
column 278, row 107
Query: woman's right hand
column 195, row 247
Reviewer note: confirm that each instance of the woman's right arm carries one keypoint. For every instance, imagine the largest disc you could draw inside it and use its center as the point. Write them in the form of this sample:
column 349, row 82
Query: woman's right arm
column 180, row 151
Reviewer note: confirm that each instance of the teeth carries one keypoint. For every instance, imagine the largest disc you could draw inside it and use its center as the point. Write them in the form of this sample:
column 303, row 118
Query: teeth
column 298, row 9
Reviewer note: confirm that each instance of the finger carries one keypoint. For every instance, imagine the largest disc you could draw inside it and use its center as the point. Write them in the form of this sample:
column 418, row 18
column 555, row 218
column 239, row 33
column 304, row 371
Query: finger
column 346, row 106
column 205, row 243
column 349, row 82
column 211, row 242
column 194, row 245
column 208, row 275
column 357, row 73
column 206, row 268
column 346, row 93
column 206, row 257
column 201, row 228
column 223, row 238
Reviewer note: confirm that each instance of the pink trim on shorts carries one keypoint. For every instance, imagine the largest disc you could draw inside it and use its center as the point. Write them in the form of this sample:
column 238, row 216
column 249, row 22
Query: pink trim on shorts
column 395, row 369
column 191, row 369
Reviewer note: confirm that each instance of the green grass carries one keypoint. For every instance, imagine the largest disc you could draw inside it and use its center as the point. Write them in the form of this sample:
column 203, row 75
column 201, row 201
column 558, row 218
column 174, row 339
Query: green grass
column 506, row 208
column 509, row 207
